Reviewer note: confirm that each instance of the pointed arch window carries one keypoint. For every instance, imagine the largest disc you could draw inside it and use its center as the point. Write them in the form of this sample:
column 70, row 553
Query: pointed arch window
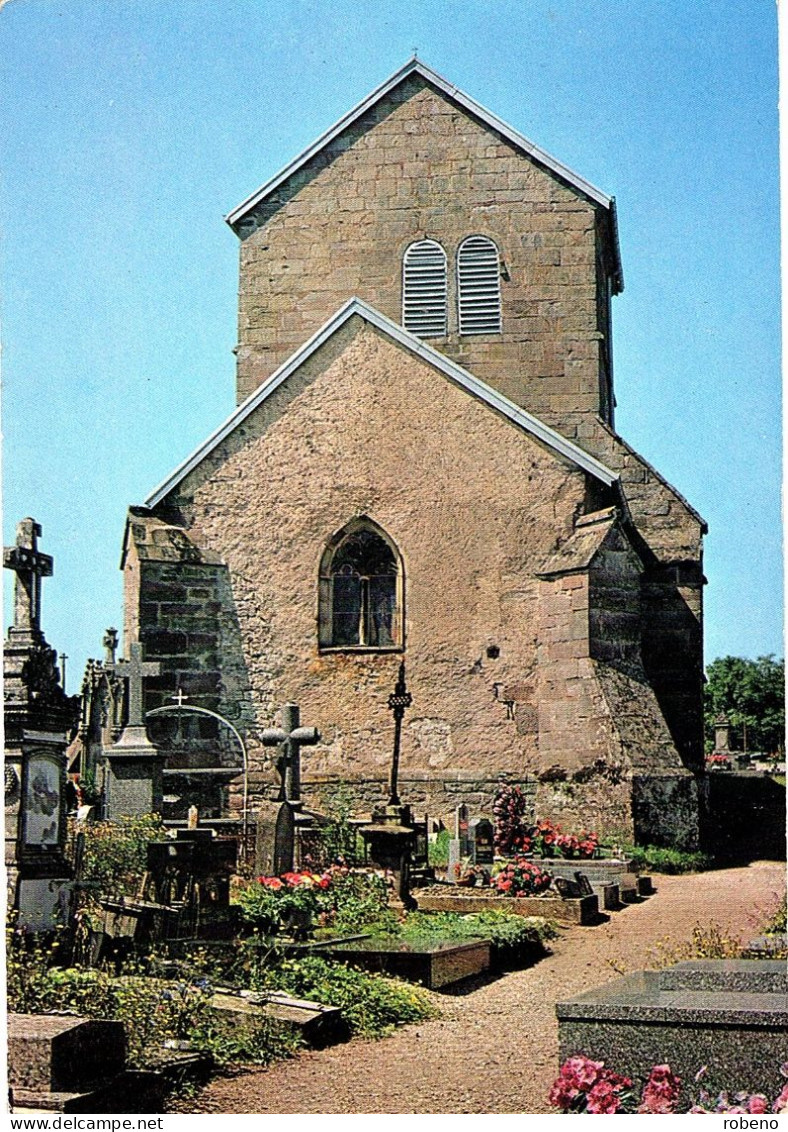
column 361, row 590
column 424, row 289
column 479, row 286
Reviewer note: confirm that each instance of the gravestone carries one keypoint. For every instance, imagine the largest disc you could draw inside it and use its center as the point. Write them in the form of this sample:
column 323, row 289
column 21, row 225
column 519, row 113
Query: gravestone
column 284, row 839
column 584, row 887
column 460, row 846
column 133, row 781
column 290, row 738
column 62, row 1063
column 481, row 836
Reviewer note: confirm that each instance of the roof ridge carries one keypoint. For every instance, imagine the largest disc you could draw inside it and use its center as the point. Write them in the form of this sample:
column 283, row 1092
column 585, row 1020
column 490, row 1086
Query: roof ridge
column 473, row 385
column 416, row 66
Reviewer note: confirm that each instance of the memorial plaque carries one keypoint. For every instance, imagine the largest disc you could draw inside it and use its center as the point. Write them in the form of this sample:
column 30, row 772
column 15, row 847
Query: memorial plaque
column 583, row 884
column 42, row 801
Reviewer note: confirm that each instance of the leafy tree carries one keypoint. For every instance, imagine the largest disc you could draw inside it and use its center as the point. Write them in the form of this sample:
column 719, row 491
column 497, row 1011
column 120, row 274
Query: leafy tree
column 751, row 693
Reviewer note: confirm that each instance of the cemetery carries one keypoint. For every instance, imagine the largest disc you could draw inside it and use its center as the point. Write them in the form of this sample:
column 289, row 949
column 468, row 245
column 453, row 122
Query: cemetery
column 186, row 946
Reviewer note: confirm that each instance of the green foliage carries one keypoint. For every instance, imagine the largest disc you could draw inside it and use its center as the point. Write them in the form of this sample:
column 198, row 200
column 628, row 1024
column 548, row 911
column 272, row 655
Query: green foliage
column 230, row 1039
column 751, row 693
column 116, row 852
column 342, row 900
column 707, row 941
column 339, row 839
column 515, row 939
column 356, row 899
column 152, row 1010
column 671, row 861
column 438, row 850
column 371, row 1004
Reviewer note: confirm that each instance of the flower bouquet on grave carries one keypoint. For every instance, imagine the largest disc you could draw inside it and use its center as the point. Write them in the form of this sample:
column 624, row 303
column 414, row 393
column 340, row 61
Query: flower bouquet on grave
column 520, row 877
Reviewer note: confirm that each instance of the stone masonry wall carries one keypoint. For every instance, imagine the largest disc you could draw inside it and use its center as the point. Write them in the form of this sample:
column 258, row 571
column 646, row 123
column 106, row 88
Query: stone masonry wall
column 417, row 166
column 474, row 507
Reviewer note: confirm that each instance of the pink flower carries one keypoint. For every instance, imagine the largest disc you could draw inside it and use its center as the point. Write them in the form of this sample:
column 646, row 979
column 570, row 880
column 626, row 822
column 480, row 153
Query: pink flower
column 781, row 1104
column 603, row 1098
column 661, row 1091
column 757, row 1103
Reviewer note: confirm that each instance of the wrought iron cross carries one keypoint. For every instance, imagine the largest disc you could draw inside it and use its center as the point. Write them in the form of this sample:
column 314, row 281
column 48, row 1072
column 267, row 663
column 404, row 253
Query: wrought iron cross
column 290, row 737
column 135, row 669
column 399, row 700
column 30, row 566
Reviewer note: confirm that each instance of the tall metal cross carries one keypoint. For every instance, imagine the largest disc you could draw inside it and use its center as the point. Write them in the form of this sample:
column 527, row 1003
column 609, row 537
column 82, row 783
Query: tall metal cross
column 30, row 566
column 290, row 737
column 399, row 700
column 135, row 669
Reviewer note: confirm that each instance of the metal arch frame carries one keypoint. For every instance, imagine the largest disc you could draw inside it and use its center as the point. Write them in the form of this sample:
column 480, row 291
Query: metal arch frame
column 177, row 708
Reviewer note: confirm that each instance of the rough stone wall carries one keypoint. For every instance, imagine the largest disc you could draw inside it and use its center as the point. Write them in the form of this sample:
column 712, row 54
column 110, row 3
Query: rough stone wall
column 418, row 166
column 668, row 536
column 184, row 618
column 473, row 505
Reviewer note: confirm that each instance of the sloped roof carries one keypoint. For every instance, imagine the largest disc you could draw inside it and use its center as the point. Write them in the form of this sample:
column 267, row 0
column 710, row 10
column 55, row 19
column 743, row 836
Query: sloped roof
column 578, row 552
column 472, row 385
column 416, row 67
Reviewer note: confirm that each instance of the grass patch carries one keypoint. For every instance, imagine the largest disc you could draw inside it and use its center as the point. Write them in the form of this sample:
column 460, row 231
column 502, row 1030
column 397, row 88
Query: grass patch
column 652, row 858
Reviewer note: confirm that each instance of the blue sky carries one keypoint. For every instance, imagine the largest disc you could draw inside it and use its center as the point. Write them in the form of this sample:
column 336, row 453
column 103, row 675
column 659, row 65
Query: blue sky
column 130, row 129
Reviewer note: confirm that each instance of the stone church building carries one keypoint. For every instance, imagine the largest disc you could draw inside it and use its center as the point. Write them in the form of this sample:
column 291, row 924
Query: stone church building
column 423, row 464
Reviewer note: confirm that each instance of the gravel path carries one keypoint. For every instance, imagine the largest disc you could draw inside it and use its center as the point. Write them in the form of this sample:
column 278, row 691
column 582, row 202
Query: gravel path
column 494, row 1048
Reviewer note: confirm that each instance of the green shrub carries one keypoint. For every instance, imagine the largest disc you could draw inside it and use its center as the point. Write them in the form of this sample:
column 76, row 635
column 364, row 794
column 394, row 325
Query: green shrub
column 116, row 852
column 775, row 922
column 230, row 1039
column 655, row 859
column 371, row 1004
column 438, row 850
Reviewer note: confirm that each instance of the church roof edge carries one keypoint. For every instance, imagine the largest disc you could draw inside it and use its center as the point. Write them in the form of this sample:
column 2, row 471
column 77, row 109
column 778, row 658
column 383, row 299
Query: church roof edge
column 473, row 385
column 416, row 66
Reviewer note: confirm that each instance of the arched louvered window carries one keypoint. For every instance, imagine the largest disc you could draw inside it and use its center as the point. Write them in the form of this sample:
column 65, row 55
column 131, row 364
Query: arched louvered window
column 424, row 301
column 360, row 590
column 479, row 286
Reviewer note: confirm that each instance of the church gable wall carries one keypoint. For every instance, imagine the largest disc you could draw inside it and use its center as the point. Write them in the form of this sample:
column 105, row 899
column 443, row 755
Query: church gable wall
column 417, row 166
column 473, row 505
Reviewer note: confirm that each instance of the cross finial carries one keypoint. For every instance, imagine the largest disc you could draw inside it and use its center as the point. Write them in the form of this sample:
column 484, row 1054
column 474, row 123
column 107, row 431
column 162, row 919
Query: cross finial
column 30, row 566
column 179, row 697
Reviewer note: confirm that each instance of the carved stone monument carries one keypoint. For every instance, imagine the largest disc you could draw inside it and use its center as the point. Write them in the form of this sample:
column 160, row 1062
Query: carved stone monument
column 134, row 766
column 38, row 716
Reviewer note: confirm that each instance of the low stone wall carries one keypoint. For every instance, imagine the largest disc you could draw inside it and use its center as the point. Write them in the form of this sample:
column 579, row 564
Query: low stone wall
column 580, row 910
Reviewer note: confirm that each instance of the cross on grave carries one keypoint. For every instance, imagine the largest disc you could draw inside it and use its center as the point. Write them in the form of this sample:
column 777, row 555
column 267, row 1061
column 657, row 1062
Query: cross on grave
column 290, row 738
column 135, row 669
column 30, row 566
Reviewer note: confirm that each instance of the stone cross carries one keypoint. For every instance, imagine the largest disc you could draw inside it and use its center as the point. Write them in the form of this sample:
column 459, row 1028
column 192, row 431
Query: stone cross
column 399, row 700
column 135, row 669
column 30, row 566
column 290, row 737
column 110, row 643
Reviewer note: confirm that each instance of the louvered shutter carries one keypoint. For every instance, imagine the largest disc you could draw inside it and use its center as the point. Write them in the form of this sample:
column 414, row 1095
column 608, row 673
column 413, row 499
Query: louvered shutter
column 479, row 286
column 424, row 302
